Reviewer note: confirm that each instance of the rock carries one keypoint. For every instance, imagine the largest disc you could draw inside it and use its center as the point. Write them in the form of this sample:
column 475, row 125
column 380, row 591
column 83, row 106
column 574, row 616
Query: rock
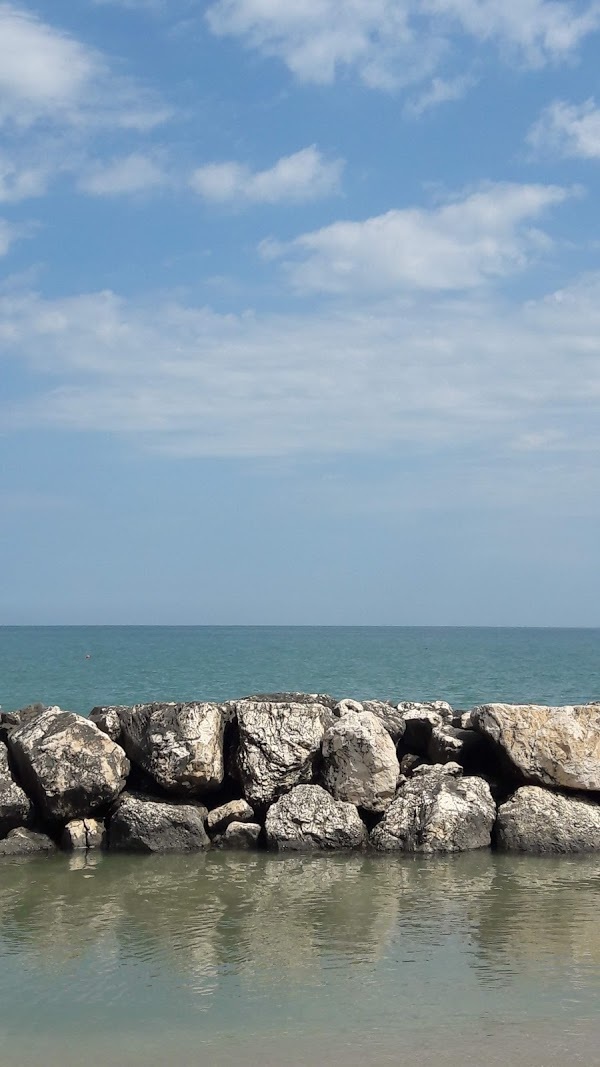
column 388, row 714
column 141, row 824
column 10, row 719
column 179, row 745
column 308, row 818
column 408, row 763
column 23, row 842
column 557, row 747
column 235, row 811
column 419, row 721
column 359, row 761
column 278, row 747
column 323, row 699
column 83, row 834
column 347, row 705
column 68, row 767
column 437, row 810
column 239, row 835
column 108, row 719
column 537, row 820
column 16, row 808
column 449, row 744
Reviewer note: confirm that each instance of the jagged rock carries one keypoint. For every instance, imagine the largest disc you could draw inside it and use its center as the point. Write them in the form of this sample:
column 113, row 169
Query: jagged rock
column 23, row 842
column 420, row 719
column 10, row 719
column 141, row 824
column 68, row 767
column 388, row 714
column 347, row 705
column 179, row 745
column 323, row 699
column 359, row 761
column 557, row 747
column 108, row 719
column 239, row 835
column 471, row 749
column 309, row 818
column 537, row 820
column 235, row 811
column 408, row 764
column 83, row 834
column 437, row 810
column 278, row 747
column 16, row 808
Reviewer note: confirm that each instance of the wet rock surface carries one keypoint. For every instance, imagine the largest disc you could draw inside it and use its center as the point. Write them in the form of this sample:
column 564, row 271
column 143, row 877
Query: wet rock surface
column 16, row 808
column 143, row 825
column 536, row 820
column 308, row 818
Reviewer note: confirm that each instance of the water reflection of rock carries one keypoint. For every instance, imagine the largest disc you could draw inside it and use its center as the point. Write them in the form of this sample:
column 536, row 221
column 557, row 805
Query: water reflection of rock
column 287, row 918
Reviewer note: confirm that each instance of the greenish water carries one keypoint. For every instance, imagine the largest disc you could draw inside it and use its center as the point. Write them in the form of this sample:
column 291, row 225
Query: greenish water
column 135, row 663
column 217, row 958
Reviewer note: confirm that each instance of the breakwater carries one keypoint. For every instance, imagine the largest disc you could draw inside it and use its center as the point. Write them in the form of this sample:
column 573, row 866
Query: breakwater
column 296, row 772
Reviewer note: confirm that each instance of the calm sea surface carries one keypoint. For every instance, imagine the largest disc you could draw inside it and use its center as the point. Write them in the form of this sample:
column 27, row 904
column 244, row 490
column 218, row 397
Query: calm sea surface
column 217, row 959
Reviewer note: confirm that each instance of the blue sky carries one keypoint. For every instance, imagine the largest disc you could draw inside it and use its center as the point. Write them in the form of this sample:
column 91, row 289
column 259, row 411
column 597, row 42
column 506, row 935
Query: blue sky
column 300, row 311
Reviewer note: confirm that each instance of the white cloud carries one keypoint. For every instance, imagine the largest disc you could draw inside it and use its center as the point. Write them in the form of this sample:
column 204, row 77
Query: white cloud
column 19, row 181
column 305, row 175
column 434, row 373
column 458, row 245
column 48, row 75
column 568, row 130
column 440, row 91
column 135, row 173
column 8, row 234
column 394, row 43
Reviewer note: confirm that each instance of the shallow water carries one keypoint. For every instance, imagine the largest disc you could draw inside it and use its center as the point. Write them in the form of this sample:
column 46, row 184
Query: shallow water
column 218, row 958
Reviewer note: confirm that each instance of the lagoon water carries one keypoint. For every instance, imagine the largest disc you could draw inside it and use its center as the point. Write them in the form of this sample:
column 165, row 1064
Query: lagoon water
column 219, row 959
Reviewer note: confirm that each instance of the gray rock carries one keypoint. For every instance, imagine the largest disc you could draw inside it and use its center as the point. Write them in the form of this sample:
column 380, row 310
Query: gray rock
column 449, row 744
column 323, row 699
column 180, row 746
column 83, row 834
column 69, row 768
column 554, row 746
column 420, row 719
column 239, row 835
column 437, row 810
column 23, row 842
column 16, row 808
column 235, row 811
column 388, row 714
column 308, row 818
column 278, row 747
column 141, row 824
column 537, row 820
column 359, row 761
column 108, row 719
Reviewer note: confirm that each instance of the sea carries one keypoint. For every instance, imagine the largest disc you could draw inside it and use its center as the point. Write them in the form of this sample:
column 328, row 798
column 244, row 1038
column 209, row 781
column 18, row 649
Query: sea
column 221, row 958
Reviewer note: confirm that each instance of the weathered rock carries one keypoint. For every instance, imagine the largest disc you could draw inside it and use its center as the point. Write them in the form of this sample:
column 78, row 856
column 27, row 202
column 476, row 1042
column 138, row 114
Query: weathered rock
column 309, row 818
column 69, row 768
column 557, row 747
column 537, row 820
column 141, row 824
column 388, row 714
column 179, row 745
column 235, row 811
column 10, row 719
column 83, row 834
column 278, row 747
column 408, row 763
column 16, row 808
column 108, row 719
column 239, row 835
column 437, row 810
column 359, row 761
column 323, row 699
column 474, row 752
column 420, row 719
column 23, row 842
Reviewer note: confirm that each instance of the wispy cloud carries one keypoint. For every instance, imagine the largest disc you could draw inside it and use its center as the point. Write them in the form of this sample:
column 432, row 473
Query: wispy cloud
column 135, row 173
column 565, row 129
column 305, row 175
column 440, row 91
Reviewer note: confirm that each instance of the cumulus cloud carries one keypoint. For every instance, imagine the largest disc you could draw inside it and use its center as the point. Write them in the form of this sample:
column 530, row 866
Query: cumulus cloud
column 458, row 245
column 135, row 173
column 394, row 43
column 432, row 372
column 567, row 129
column 305, row 175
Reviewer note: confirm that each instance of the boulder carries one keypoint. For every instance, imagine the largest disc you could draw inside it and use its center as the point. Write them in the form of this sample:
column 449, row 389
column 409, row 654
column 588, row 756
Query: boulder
column 474, row 752
column 235, row 811
column 239, row 835
column 108, row 719
column 141, row 824
column 180, row 746
column 437, row 810
column 309, row 818
column 16, row 808
column 537, row 820
column 359, row 761
column 23, row 842
column 68, row 767
column 278, row 747
column 553, row 746
column 388, row 714
column 83, row 834
column 420, row 719
column 323, row 699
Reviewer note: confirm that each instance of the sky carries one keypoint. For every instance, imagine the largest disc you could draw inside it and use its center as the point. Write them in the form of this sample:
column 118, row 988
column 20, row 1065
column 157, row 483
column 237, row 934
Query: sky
column 300, row 312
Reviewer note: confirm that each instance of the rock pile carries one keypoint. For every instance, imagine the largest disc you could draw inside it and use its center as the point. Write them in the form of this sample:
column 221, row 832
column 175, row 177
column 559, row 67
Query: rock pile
column 294, row 772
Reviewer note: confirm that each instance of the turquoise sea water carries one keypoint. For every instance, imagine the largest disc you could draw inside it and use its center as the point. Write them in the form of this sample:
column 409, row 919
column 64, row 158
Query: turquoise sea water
column 129, row 664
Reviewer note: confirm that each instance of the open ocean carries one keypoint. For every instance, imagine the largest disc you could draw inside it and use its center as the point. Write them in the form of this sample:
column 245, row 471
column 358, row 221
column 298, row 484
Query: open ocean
column 216, row 959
